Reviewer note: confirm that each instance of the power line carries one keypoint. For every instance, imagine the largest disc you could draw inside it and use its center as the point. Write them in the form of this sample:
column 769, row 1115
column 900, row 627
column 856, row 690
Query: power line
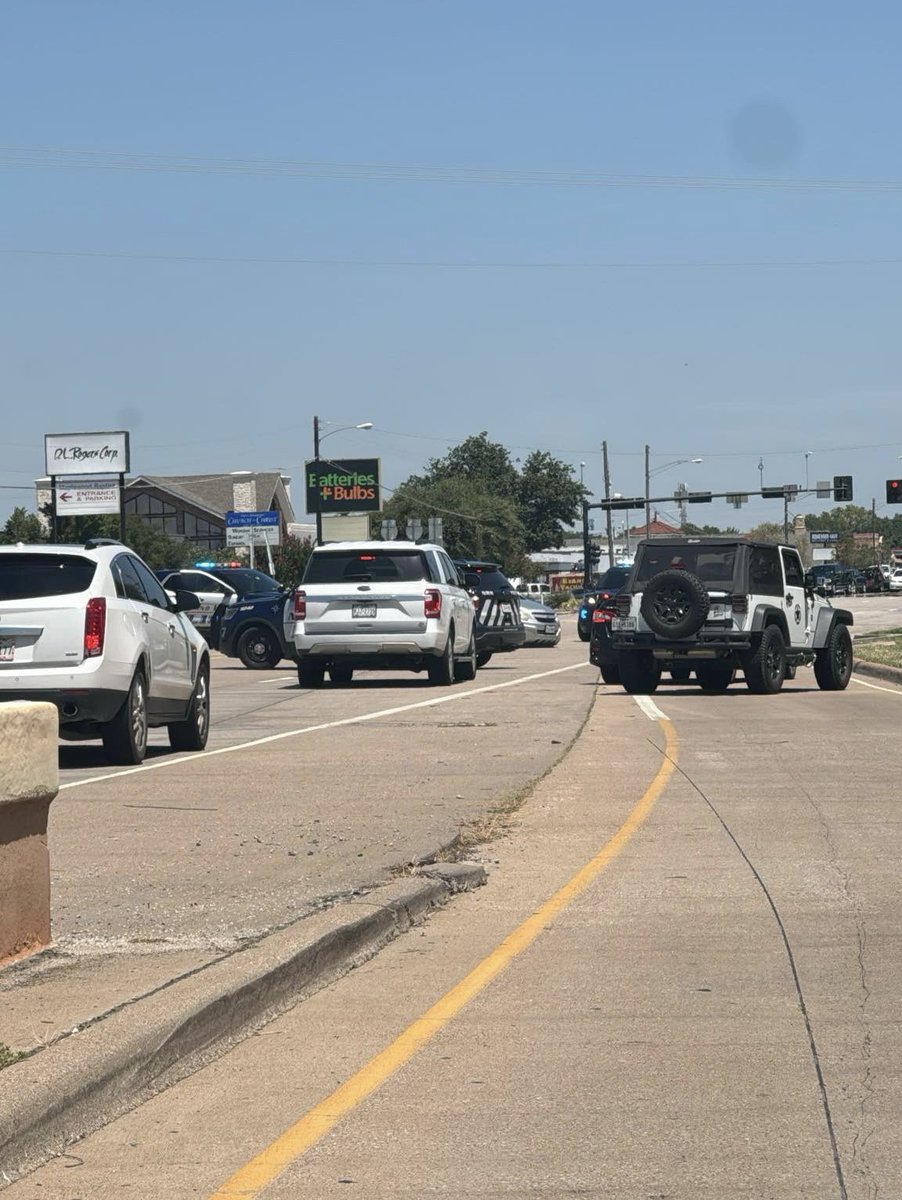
column 31, row 157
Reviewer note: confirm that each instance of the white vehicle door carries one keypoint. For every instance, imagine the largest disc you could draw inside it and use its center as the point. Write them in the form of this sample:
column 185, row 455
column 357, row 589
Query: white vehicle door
column 795, row 601
column 461, row 604
column 139, row 627
column 170, row 652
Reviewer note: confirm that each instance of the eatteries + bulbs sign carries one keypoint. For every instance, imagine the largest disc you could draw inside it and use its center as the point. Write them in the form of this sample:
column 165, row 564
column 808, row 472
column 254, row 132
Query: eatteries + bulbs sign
column 351, row 485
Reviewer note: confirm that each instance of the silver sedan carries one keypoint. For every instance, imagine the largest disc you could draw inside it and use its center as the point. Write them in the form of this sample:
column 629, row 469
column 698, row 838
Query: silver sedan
column 540, row 622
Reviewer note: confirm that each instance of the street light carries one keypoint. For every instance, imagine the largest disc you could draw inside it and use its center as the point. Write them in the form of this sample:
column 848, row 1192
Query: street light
column 582, row 467
column 649, row 473
column 808, row 454
column 317, row 439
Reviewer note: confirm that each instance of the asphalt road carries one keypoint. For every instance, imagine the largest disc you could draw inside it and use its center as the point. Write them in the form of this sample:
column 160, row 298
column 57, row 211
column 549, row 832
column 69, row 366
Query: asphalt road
column 710, row 1010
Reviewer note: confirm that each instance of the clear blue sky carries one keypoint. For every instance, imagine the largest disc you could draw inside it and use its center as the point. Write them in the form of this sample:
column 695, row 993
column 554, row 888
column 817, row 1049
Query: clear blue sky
column 538, row 295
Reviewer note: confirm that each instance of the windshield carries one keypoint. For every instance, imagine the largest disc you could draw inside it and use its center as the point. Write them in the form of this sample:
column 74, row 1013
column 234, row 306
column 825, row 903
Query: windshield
column 712, row 564
column 614, row 577
column 340, row 566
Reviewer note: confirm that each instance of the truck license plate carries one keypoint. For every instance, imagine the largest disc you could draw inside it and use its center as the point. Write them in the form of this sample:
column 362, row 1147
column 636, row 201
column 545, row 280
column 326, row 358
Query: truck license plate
column 363, row 610
column 7, row 649
column 623, row 623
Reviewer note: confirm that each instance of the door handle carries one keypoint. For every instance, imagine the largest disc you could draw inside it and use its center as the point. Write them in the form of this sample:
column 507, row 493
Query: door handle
column 171, row 629
column 789, row 597
column 144, row 617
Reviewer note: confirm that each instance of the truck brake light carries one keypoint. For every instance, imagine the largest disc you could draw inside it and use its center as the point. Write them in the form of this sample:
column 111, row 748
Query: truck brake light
column 299, row 605
column 95, row 626
column 740, row 604
column 432, row 603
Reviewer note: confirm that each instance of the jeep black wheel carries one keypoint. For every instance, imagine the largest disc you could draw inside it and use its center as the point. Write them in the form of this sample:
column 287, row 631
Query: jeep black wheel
column 610, row 673
column 833, row 664
column 714, row 677
column 310, row 673
column 640, row 673
column 257, row 648
column 765, row 666
column 674, row 604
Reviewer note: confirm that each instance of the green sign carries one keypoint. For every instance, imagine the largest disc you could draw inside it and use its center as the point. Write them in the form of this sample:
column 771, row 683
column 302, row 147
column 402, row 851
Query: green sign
column 351, row 485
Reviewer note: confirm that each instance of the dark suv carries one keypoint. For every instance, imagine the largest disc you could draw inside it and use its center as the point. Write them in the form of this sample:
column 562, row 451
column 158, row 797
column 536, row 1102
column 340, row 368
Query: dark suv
column 720, row 604
column 608, row 586
column 499, row 626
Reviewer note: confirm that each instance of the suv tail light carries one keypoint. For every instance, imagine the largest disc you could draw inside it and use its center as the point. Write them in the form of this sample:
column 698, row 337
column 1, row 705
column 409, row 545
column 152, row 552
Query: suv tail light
column 601, row 615
column 95, row 626
column 299, row 605
column 622, row 606
column 432, row 603
column 740, row 604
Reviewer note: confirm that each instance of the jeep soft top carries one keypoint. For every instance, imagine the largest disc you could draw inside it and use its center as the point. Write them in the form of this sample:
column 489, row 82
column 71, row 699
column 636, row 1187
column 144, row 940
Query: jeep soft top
column 718, row 604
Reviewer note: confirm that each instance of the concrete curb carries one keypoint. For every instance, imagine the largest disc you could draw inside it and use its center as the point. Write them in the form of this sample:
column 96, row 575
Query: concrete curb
column 79, row 1083
column 878, row 670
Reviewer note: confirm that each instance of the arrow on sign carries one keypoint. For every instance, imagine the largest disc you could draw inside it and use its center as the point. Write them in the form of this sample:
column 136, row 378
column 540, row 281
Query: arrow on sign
column 65, row 495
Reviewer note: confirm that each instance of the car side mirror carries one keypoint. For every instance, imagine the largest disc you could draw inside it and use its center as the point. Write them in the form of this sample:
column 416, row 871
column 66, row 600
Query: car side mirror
column 184, row 601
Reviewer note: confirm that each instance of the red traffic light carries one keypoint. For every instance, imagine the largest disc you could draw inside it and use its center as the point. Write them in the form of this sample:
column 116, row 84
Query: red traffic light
column 894, row 491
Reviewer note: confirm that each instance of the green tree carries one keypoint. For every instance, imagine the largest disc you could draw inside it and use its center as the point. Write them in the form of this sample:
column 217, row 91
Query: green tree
column 23, row 526
column 767, row 531
column 290, row 558
column 157, row 549
column 481, row 462
column 549, row 498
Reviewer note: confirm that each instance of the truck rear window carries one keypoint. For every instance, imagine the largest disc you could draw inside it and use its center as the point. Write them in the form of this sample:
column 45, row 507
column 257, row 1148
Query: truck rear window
column 712, row 564
column 371, row 566
column 31, row 576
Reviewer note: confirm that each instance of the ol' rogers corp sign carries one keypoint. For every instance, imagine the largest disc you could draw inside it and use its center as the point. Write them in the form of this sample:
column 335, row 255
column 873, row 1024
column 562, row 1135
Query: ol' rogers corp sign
column 86, row 453
column 351, row 485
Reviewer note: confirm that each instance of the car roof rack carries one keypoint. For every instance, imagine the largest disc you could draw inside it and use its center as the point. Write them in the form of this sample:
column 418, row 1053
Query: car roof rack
column 93, row 543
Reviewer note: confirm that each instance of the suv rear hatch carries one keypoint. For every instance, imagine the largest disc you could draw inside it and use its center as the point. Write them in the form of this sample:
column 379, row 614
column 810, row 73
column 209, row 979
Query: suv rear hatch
column 43, row 607
column 373, row 590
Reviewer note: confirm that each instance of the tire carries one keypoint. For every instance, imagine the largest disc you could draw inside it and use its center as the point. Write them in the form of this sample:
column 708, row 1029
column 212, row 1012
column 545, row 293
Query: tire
column 584, row 634
column 714, row 677
column 483, row 657
column 257, row 648
column 765, row 667
column 310, row 673
column 341, row 673
column 640, row 674
column 125, row 737
column 192, row 733
column 680, row 674
column 441, row 669
column 465, row 668
column 610, row 672
column 833, row 664
column 675, row 604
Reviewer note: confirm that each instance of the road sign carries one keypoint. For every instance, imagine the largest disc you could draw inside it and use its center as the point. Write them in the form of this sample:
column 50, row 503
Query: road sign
column 822, row 537
column 253, row 528
column 349, row 485
column 842, row 488
column 823, row 554
column 86, row 453
column 88, row 496
column 235, row 520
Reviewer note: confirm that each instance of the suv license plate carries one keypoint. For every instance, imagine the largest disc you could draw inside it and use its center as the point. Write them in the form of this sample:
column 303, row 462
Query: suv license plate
column 623, row 623
column 363, row 610
column 7, row 649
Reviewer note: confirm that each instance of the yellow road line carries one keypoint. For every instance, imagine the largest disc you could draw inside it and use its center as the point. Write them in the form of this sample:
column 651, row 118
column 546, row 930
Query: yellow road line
column 249, row 1180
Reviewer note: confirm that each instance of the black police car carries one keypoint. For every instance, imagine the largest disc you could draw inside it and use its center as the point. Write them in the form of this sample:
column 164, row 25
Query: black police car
column 499, row 626
column 258, row 629
column 215, row 585
column 608, row 586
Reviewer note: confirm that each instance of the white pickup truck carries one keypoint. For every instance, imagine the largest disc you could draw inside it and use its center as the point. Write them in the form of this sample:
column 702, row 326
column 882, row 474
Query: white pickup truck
column 396, row 606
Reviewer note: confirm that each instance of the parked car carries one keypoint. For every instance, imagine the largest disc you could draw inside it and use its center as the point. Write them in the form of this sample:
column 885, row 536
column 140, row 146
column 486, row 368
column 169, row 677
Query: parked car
column 395, row 606
column 895, row 580
column 540, row 623
column 608, row 586
column 874, row 580
column 499, row 626
column 215, row 586
column 91, row 629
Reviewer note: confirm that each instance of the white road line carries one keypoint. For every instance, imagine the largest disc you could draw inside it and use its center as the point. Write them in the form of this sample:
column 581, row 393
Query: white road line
column 650, row 709
column 876, row 687
column 205, row 756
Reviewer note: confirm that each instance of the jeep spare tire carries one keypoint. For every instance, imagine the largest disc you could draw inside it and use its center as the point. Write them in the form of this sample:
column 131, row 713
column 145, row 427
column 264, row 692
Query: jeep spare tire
column 675, row 604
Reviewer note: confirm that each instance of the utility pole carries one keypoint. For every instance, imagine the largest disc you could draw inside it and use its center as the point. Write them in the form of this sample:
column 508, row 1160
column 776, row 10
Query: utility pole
column 647, row 492
column 786, row 514
column 607, row 496
column 874, row 529
column 319, row 515
column 587, row 548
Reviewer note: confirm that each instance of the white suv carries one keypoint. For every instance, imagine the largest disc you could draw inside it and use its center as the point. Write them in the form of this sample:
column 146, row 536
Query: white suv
column 91, row 629
column 383, row 606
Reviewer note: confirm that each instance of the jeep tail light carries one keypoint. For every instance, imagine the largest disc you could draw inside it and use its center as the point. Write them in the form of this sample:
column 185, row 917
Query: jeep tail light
column 299, row 605
column 432, row 603
column 95, row 626
column 740, row 604
column 622, row 606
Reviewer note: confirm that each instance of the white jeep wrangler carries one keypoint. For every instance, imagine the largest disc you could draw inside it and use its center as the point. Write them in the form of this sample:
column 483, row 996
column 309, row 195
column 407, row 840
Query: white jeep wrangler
column 715, row 604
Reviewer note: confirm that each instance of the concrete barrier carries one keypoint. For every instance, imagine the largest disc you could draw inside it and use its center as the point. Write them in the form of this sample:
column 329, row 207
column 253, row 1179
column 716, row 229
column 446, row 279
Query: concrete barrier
column 29, row 780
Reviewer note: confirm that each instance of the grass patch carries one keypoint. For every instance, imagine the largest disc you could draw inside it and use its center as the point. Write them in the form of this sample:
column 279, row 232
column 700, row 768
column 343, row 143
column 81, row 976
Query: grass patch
column 884, row 647
column 8, row 1056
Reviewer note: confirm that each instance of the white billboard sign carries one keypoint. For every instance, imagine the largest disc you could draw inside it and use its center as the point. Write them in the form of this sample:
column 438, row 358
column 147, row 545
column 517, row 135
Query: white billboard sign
column 86, row 453
column 88, row 496
column 823, row 554
column 253, row 535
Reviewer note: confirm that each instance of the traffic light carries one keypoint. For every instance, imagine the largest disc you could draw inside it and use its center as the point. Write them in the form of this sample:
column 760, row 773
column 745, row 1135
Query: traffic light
column 842, row 487
column 594, row 553
column 894, row 491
